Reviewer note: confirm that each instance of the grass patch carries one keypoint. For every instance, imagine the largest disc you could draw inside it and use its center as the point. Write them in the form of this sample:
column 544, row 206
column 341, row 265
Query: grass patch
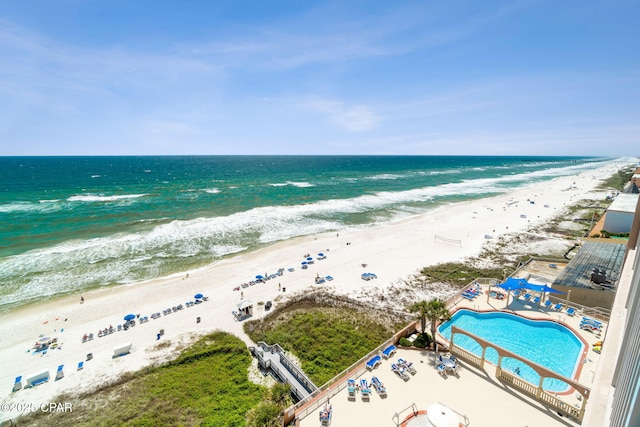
column 327, row 334
column 458, row 274
column 206, row 385
column 617, row 180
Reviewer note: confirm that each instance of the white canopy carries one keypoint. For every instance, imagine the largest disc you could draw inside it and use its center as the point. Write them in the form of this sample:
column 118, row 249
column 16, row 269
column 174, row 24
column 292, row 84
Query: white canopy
column 244, row 304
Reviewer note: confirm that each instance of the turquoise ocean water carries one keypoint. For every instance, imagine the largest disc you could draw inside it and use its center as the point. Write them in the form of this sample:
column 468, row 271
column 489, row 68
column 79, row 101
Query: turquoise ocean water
column 77, row 223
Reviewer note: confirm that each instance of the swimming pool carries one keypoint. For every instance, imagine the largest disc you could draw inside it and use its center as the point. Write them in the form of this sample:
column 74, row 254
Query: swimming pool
column 546, row 343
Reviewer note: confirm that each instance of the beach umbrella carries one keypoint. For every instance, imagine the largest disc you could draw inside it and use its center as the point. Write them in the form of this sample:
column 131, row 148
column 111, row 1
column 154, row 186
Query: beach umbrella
column 129, row 317
column 320, row 254
column 198, row 296
column 441, row 416
column 259, row 276
column 304, row 263
column 310, row 259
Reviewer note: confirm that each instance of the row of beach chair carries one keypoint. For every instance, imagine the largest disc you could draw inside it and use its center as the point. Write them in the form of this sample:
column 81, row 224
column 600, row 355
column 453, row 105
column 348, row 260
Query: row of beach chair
column 471, row 293
column 364, row 388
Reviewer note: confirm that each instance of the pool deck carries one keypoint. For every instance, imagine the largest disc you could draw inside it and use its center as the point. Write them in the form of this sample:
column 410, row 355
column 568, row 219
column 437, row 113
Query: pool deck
column 476, row 395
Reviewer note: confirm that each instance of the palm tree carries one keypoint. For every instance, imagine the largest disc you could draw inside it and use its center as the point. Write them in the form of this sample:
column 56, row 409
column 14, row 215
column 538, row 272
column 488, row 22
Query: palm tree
column 433, row 311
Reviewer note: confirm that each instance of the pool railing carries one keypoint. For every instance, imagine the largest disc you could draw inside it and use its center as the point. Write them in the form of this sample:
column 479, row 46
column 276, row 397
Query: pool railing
column 535, row 392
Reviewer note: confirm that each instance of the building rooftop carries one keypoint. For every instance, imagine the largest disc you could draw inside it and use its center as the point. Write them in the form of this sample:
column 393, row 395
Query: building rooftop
column 604, row 255
column 624, row 202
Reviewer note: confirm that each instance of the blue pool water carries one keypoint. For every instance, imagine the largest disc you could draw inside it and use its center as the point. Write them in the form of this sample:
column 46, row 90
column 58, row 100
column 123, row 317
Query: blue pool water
column 546, row 343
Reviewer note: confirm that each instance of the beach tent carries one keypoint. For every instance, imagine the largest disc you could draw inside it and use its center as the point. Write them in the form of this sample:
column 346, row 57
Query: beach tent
column 246, row 308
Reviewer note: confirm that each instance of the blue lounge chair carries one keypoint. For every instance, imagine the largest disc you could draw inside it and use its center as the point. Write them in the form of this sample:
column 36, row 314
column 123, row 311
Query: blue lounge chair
column 571, row 311
column 527, row 297
column 389, row 351
column 558, row 306
column 377, row 384
column 374, row 362
column 547, row 303
column 536, row 300
column 468, row 295
column 17, row 385
column 80, row 365
column 60, row 372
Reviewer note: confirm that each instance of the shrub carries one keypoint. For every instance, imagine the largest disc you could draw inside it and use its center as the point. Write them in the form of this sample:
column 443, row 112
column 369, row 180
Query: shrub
column 404, row 342
column 422, row 341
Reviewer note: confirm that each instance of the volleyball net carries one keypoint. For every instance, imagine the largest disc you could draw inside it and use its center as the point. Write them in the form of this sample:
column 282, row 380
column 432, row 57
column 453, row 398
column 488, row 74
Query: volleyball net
column 447, row 240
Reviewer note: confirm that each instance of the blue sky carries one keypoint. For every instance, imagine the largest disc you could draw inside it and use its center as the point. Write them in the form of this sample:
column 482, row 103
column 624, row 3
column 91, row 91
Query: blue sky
column 80, row 77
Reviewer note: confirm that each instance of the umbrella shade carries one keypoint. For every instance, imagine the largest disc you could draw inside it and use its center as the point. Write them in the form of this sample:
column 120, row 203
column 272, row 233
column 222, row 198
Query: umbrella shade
column 259, row 276
column 129, row 317
column 320, row 254
column 441, row 416
column 513, row 283
column 198, row 296
column 550, row 290
column 310, row 259
column 304, row 262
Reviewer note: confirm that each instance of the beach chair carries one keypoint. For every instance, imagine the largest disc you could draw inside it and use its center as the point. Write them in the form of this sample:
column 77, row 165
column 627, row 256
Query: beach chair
column 536, row 300
column 80, row 365
column 365, row 391
column 527, row 297
column 558, row 306
column 380, row 388
column 351, row 388
column 547, row 303
column 389, row 351
column 400, row 371
column 325, row 415
column 17, row 385
column 374, row 362
column 441, row 369
column 408, row 366
column 571, row 311
column 60, row 372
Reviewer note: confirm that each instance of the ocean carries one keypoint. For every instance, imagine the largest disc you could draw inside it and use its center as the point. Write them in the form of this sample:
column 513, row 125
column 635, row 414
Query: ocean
column 70, row 224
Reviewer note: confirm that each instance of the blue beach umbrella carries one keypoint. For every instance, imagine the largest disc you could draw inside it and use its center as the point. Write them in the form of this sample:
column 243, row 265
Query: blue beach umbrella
column 304, row 262
column 129, row 317
column 198, row 296
column 310, row 259
column 320, row 254
column 259, row 276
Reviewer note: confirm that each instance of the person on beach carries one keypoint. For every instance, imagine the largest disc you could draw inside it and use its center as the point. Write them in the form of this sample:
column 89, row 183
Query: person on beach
column 81, row 300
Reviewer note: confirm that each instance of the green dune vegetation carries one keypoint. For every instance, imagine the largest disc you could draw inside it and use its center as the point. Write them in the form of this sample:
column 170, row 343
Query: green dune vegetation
column 207, row 384
column 325, row 332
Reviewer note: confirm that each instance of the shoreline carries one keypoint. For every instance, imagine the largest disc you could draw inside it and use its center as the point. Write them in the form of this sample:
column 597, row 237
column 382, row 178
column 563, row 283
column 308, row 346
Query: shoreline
column 393, row 251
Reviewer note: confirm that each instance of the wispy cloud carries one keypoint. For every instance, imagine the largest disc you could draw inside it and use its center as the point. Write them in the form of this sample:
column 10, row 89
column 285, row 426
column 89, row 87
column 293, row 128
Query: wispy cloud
column 352, row 118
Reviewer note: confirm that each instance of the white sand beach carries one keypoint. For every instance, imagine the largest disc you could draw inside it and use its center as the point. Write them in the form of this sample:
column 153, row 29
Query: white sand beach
column 391, row 251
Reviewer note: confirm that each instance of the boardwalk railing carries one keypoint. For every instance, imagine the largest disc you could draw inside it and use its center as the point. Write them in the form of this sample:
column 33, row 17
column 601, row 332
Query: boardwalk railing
column 291, row 367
